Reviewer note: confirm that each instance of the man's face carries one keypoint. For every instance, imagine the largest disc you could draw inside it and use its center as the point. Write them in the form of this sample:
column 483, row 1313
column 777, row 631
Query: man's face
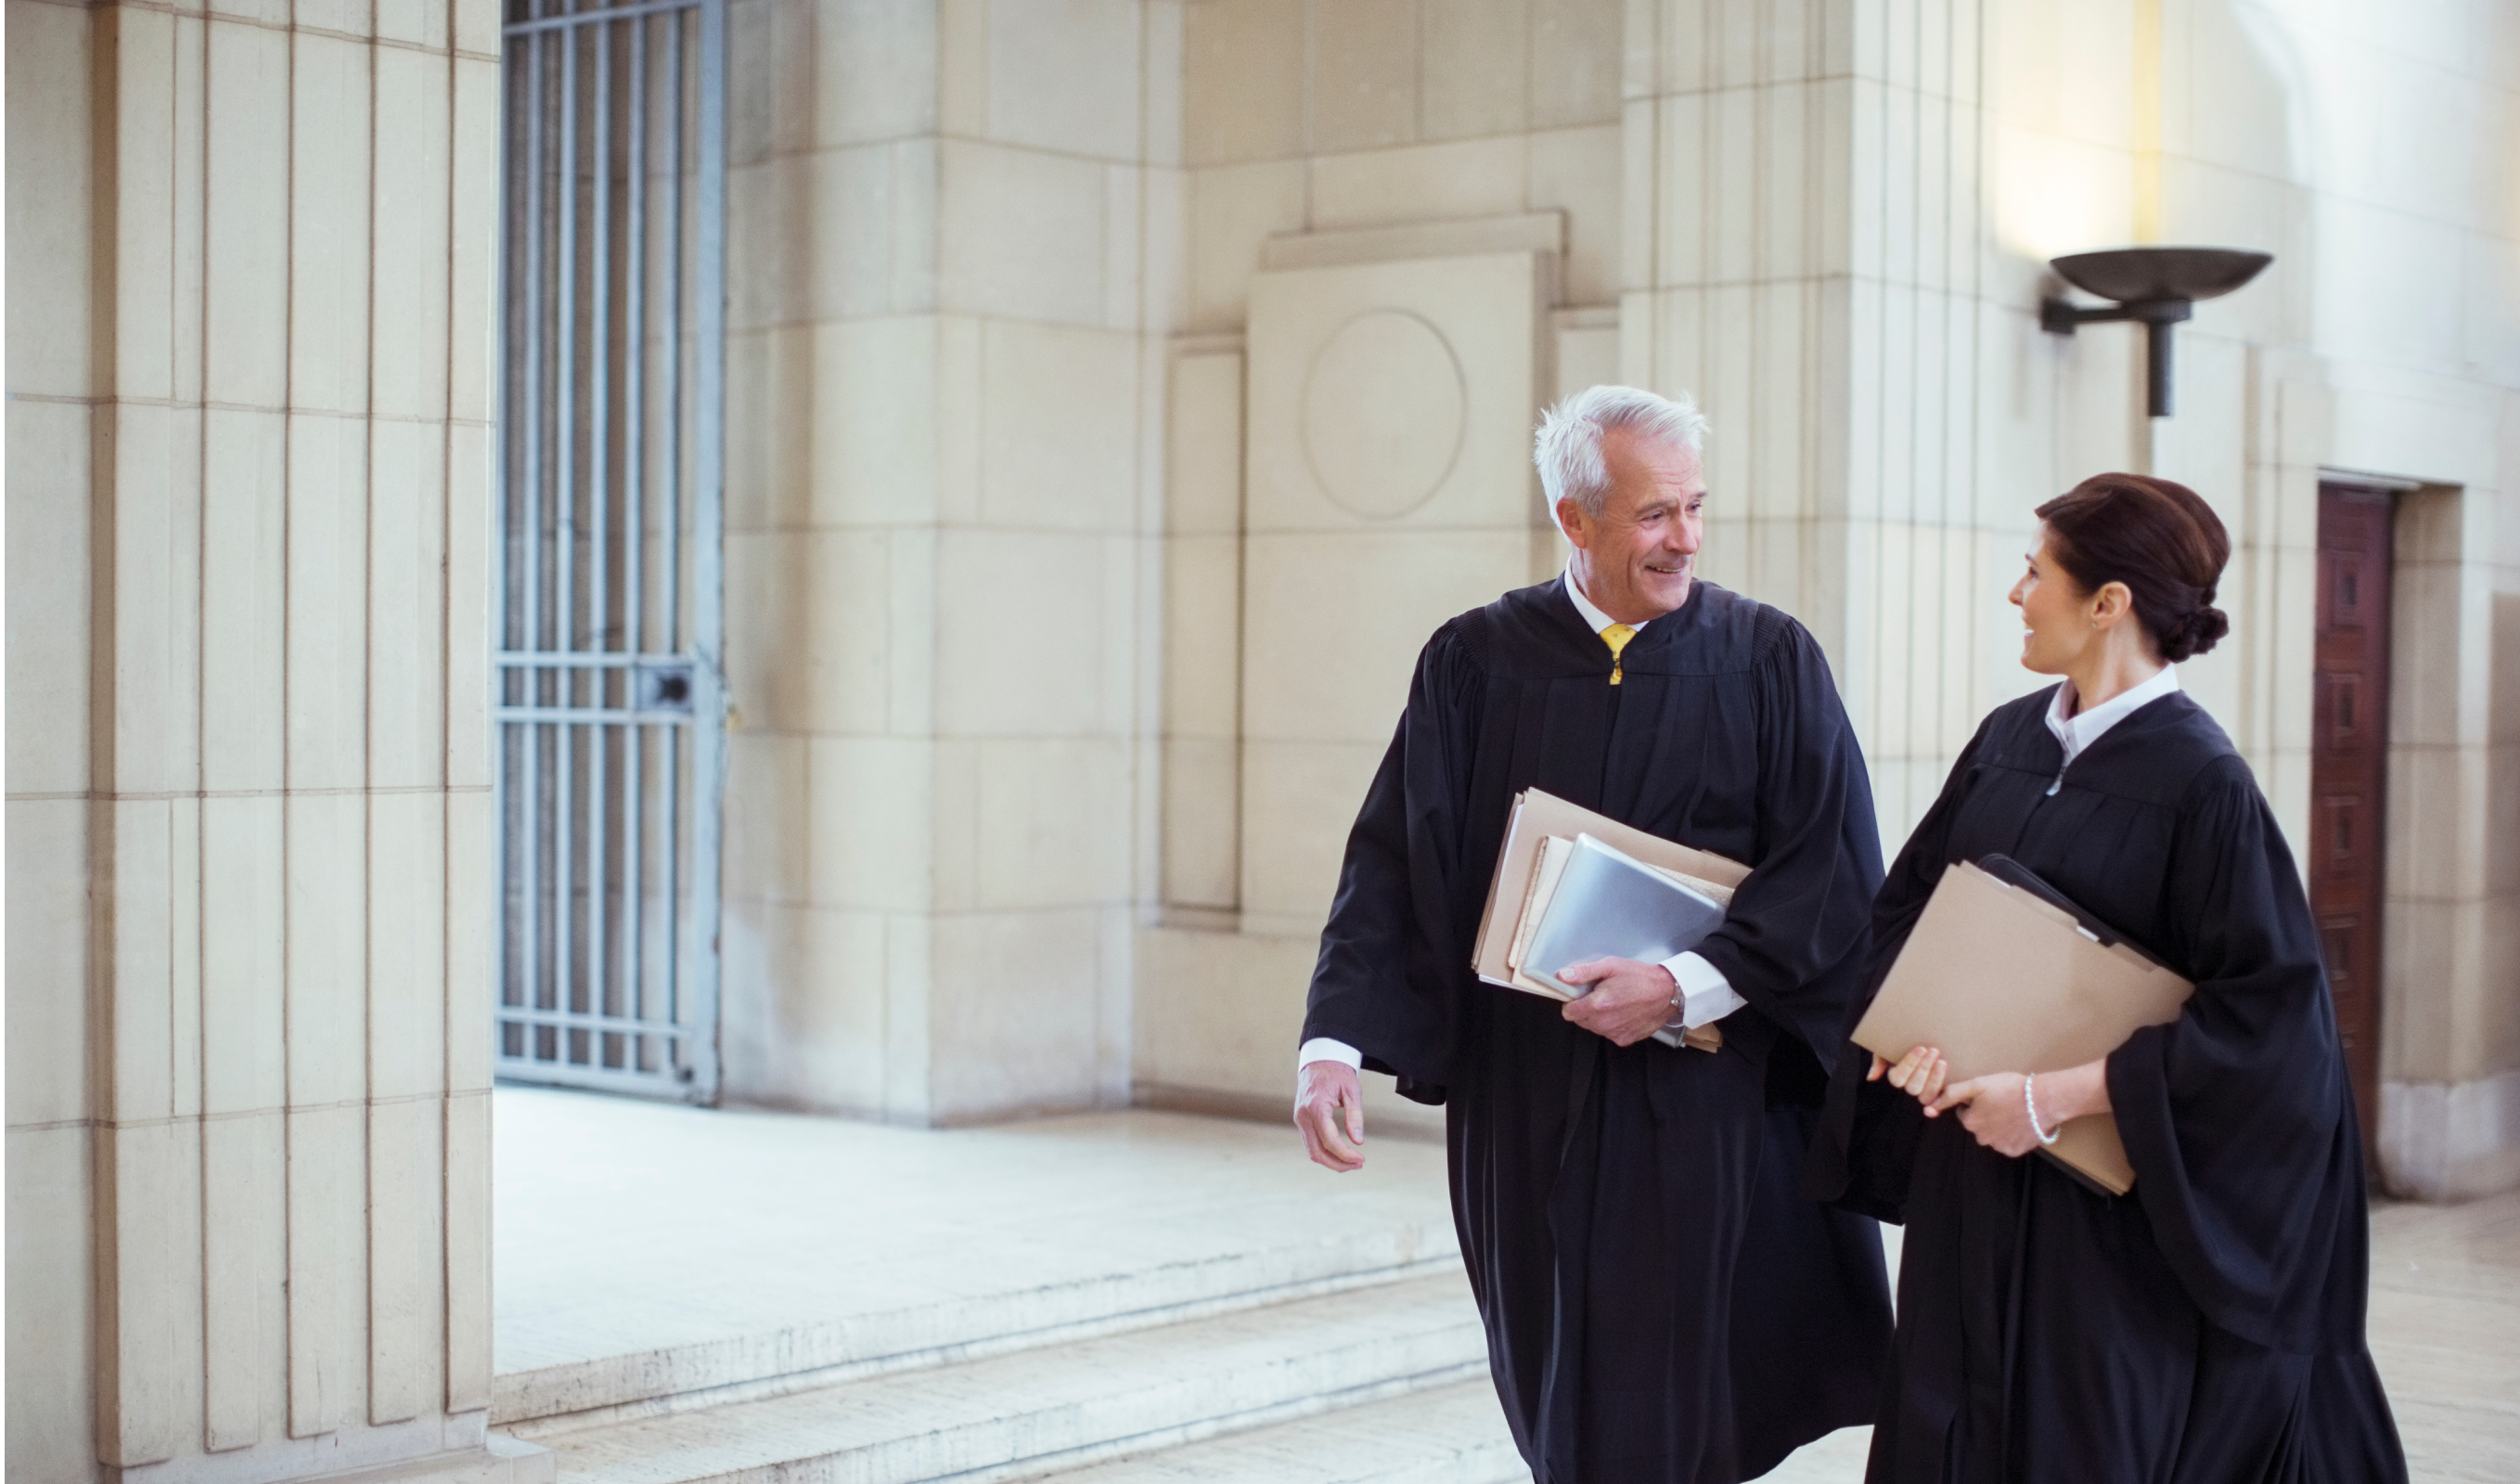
column 1636, row 560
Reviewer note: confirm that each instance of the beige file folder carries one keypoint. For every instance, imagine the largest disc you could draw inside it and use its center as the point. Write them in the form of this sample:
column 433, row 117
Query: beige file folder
column 1518, row 885
column 2006, row 982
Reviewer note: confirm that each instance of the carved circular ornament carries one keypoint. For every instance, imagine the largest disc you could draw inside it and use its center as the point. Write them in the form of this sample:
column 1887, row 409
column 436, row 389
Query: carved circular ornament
column 1384, row 414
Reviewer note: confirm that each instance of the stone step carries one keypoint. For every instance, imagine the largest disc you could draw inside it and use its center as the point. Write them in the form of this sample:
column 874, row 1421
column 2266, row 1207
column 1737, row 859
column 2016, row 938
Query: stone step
column 1041, row 1409
column 950, row 1330
column 764, row 1274
column 1444, row 1435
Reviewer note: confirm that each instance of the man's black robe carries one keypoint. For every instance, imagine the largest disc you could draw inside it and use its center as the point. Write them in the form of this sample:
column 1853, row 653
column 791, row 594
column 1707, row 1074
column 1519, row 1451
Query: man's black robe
column 1662, row 1305
column 2207, row 1326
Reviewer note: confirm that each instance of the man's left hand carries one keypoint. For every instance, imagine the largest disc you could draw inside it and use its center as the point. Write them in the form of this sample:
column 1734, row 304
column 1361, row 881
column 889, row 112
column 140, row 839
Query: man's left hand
column 1627, row 1002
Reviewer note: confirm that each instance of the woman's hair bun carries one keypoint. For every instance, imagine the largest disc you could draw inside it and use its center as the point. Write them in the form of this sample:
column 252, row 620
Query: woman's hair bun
column 2159, row 538
column 2202, row 629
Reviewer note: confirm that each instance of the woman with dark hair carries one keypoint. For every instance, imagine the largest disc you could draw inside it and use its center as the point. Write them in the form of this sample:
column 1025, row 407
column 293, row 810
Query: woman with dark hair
column 2206, row 1328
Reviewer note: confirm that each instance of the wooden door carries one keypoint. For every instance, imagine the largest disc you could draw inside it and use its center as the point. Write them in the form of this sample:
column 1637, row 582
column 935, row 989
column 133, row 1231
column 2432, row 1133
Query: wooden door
column 2349, row 770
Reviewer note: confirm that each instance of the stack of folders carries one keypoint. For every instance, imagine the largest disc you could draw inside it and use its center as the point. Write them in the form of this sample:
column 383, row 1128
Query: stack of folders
column 1572, row 885
column 2006, row 974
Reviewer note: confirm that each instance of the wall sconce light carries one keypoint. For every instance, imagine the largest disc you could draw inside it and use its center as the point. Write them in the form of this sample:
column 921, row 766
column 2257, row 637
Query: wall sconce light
column 2159, row 286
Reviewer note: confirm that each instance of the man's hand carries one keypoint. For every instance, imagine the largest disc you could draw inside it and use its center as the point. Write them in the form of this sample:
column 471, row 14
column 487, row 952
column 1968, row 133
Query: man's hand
column 1329, row 1107
column 1627, row 1002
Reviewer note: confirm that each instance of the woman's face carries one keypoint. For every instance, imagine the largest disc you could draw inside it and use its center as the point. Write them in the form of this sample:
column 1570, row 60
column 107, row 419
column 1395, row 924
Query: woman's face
column 2055, row 614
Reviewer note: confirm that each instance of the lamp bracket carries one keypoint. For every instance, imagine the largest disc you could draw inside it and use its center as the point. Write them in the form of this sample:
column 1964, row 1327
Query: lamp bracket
column 2061, row 316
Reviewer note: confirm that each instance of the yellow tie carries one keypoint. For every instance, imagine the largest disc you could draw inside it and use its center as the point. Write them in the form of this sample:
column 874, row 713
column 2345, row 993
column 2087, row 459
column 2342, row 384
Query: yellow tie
column 1616, row 636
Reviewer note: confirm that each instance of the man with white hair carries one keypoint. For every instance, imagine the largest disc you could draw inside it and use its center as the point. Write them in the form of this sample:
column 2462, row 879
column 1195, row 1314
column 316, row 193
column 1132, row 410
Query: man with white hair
column 1662, row 1306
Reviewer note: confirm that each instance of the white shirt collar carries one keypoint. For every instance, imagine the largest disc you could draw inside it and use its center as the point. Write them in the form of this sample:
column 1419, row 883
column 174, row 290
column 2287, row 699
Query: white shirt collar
column 1584, row 605
column 2077, row 731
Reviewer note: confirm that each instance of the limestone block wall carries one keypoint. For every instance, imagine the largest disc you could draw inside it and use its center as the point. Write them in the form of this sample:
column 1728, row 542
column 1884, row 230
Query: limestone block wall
column 1388, row 489
column 2449, row 1117
column 950, row 256
column 1806, row 253
column 1319, row 114
column 1201, row 639
column 51, row 823
column 2407, row 309
column 1834, row 218
column 1347, row 168
column 2387, row 349
column 1970, row 142
column 250, row 400
column 1001, row 312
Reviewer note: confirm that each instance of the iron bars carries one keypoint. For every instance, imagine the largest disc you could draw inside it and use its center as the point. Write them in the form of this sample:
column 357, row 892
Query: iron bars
column 607, row 687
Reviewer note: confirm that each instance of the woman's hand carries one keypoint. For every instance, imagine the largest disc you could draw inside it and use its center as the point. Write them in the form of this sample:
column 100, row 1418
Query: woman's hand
column 1993, row 1108
column 1920, row 1073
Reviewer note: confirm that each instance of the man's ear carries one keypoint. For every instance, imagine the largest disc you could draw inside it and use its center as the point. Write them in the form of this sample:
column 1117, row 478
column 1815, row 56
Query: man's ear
column 1571, row 521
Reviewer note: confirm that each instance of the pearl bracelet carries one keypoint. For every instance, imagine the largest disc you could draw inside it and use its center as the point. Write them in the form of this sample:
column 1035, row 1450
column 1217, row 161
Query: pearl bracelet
column 2032, row 1104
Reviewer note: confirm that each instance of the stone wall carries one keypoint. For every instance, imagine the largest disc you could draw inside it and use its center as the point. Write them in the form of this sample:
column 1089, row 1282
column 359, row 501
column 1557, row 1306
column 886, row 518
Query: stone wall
column 2388, row 344
column 949, row 243
column 1449, row 174
column 249, row 382
column 1834, row 223
column 1062, row 629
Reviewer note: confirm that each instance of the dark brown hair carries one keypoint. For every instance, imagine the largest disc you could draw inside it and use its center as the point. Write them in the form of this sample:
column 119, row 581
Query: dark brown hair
column 2160, row 539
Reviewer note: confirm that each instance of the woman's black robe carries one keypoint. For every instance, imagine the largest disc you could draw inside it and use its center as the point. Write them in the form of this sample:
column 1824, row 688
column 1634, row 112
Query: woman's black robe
column 2206, row 1328
column 1662, row 1304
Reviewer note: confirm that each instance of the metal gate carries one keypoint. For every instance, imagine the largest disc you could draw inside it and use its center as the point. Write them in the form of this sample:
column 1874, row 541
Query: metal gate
column 608, row 689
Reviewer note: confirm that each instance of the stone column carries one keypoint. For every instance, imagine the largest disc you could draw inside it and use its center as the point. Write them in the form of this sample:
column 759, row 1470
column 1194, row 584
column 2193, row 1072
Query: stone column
column 250, row 413
column 2450, row 1036
column 947, row 234
column 1809, row 252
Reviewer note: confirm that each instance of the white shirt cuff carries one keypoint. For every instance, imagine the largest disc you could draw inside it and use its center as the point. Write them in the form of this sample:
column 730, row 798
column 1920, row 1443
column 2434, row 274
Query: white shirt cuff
column 1323, row 1049
column 1705, row 995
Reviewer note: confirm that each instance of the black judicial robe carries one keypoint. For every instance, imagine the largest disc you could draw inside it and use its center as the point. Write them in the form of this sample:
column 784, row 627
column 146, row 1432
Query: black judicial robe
column 1662, row 1304
column 2206, row 1328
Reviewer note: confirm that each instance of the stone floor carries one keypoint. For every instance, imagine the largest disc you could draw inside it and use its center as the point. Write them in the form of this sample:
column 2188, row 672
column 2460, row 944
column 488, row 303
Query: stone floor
column 627, row 1228
column 2446, row 1332
column 634, row 1231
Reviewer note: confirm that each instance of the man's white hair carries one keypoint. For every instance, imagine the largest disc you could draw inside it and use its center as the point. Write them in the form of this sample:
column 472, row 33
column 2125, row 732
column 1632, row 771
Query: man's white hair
column 1568, row 446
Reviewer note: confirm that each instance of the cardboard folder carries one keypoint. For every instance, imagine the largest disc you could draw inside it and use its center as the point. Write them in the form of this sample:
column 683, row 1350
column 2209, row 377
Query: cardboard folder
column 2005, row 974
column 1517, row 894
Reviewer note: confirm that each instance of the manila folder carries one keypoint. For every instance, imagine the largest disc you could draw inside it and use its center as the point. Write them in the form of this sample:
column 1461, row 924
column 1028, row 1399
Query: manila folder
column 2003, row 981
column 1537, row 815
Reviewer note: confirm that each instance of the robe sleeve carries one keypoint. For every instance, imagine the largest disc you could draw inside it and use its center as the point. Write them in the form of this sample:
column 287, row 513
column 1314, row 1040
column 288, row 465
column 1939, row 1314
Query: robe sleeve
column 1790, row 940
column 1866, row 1146
column 1386, row 980
column 2237, row 1116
